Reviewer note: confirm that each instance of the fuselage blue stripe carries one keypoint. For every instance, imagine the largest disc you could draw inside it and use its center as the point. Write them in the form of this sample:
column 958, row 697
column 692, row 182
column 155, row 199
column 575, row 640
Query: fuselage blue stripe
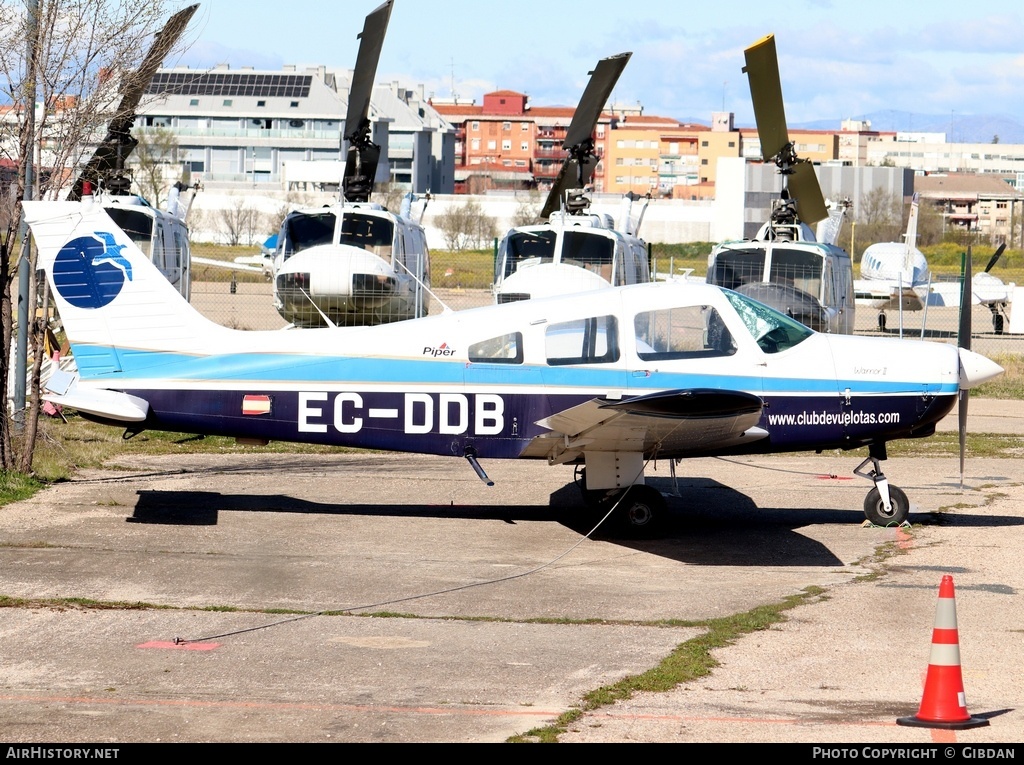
column 295, row 368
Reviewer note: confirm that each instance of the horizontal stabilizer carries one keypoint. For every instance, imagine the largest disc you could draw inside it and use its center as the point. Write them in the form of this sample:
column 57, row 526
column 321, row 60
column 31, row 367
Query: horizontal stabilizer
column 105, row 404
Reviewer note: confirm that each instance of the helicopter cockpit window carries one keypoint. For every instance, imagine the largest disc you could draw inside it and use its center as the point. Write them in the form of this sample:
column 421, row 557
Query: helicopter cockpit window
column 589, row 250
column 527, row 248
column 594, row 340
column 798, row 268
column 773, row 331
column 137, row 225
column 504, row 349
column 305, row 230
column 372, row 234
column 688, row 332
column 735, row 267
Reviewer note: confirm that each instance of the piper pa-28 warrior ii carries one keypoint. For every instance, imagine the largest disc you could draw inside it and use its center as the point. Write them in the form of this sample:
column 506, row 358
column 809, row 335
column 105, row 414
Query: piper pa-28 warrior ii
column 604, row 380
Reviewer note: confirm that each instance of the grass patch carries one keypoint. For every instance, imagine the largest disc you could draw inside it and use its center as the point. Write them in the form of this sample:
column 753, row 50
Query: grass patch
column 15, row 487
column 689, row 661
column 1010, row 384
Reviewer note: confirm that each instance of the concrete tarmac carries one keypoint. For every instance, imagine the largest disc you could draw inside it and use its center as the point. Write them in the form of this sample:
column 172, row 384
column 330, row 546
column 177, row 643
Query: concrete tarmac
column 395, row 598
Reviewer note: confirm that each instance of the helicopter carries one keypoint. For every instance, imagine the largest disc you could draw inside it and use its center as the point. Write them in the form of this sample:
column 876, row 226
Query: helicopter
column 354, row 263
column 785, row 265
column 575, row 250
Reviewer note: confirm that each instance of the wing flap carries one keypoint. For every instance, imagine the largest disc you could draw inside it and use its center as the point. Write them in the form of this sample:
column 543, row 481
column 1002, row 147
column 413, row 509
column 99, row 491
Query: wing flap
column 671, row 423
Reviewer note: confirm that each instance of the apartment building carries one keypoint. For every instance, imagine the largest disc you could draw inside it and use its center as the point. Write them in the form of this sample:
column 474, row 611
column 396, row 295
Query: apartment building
column 243, row 128
column 983, row 203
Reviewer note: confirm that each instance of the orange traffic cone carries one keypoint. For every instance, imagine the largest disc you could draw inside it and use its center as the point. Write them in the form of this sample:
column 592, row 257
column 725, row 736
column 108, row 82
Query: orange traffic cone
column 944, row 704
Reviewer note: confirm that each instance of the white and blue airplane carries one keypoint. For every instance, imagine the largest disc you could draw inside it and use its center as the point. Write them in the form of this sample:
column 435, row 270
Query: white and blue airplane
column 604, row 380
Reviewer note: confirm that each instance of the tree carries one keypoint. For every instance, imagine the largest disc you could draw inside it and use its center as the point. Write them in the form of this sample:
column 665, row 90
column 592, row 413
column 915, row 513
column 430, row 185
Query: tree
column 154, row 155
column 466, row 226
column 60, row 69
column 240, row 221
column 879, row 218
column 527, row 209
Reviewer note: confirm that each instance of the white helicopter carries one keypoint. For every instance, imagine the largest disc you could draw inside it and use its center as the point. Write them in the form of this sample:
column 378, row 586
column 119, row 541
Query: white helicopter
column 161, row 234
column 354, row 263
column 575, row 250
column 785, row 265
column 605, row 380
column 895, row 275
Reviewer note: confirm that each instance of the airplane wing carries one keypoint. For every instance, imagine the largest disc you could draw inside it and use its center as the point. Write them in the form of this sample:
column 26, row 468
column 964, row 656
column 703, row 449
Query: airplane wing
column 886, row 296
column 238, row 264
column 670, row 423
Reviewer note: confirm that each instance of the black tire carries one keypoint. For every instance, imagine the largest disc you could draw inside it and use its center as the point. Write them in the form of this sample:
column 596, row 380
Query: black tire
column 997, row 323
column 875, row 510
column 881, row 322
column 641, row 512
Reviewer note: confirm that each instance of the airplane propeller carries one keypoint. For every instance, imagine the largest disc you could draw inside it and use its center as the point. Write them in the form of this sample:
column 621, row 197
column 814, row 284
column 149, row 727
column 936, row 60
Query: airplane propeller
column 578, row 167
column 964, row 343
column 109, row 158
column 800, row 182
column 363, row 154
column 995, row 257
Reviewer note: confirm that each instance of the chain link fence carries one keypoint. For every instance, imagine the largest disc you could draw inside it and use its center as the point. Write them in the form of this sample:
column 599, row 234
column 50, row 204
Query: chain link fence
column 243, row 300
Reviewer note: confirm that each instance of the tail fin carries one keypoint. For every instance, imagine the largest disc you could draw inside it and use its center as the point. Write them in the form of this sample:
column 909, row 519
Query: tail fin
column 111, row 299
column 912, row 224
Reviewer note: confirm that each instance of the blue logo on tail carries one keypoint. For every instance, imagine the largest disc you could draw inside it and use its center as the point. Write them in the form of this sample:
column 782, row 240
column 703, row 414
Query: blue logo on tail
column 90, row 271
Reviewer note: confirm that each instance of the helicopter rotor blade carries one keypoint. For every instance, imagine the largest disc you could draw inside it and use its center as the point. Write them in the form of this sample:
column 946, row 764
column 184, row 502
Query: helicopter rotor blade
column 118, row 144
column 578, row 167
column 806, row 191
column 363, row 154
column 762, row 70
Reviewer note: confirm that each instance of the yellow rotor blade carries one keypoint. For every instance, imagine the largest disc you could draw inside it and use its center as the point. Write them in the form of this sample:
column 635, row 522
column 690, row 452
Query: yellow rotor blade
column 766, row 92
column 805, row 189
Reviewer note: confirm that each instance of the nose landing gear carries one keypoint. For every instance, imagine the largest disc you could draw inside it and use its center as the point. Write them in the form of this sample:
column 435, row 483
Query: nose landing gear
column 885, row 504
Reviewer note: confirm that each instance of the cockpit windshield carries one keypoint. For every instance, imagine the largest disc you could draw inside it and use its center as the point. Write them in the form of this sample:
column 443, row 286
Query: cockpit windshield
column 305, row 230
column 526, row 248
column 136, row 224
column 368, row 232
column 773, row 331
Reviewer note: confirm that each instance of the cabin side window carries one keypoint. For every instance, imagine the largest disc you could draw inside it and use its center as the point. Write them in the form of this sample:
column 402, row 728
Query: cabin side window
column 594, row 340
column 689, row 332
column 503, row 349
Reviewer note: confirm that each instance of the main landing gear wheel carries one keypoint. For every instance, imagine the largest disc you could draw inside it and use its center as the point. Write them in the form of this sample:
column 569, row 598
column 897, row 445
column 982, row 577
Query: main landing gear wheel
column 899, row 507
column 641, row 512
column 881, row 322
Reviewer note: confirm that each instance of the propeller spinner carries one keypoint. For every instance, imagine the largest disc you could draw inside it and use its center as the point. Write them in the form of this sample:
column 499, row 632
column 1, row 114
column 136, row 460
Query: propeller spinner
column 578, row 167
column 801, row 183
column 363, row 154
column 109, row 158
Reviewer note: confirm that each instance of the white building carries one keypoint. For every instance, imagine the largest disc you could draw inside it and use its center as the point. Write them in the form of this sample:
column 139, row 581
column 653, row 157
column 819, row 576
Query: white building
column 238, row 129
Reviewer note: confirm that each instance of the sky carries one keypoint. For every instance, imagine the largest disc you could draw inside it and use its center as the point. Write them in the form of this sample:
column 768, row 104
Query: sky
column 837, row 60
